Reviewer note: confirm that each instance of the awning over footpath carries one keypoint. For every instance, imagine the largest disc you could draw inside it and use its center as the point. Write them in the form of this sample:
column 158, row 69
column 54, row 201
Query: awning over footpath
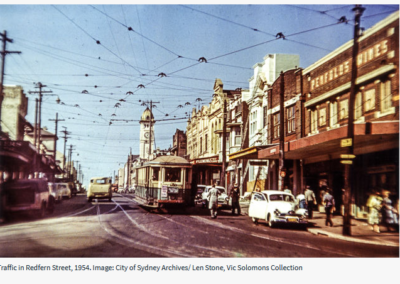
column 249, row 153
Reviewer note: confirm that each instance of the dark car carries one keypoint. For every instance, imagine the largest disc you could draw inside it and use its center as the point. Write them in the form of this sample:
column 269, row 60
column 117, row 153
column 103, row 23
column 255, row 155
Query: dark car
column 30, row 195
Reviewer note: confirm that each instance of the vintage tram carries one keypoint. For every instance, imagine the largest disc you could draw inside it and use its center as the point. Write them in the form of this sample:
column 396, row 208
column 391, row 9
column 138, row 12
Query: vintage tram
column 164, row 181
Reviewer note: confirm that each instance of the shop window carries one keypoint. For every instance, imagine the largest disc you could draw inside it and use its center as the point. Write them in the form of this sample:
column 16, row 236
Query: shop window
column 276, row 119
column 358, row 106
column 291, row 122
column 386, row 95
column 369, row 100
column 322, row 117
column 344, row 109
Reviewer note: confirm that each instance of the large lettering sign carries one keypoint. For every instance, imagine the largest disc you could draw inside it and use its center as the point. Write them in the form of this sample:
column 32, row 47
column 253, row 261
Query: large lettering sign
column 363, row 58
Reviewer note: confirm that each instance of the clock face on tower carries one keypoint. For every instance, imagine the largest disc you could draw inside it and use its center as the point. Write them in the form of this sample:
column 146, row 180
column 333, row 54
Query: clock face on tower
column 146, row 134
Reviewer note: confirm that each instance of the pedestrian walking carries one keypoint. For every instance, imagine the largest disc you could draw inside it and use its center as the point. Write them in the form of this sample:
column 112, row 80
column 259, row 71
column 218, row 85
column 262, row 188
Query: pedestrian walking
column 329, row 203
column 235, row 195
column 389, row 218
column 213, row 201
column 310, row 201
column 374, row 204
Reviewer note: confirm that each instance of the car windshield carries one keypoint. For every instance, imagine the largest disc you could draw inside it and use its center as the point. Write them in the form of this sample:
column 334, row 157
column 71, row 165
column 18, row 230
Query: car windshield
column 281, row 197
column 221, row 190
column 102, row 181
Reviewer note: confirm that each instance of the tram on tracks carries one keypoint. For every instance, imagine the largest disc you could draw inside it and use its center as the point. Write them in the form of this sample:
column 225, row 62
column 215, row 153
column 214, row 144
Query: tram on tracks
column 164, row 181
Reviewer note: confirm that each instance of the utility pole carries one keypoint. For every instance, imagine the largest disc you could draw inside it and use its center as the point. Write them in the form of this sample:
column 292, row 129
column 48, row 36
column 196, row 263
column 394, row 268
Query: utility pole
column 4, row 52
column 40, row 92
column 348, row 171
column 55, row 137
column 65, row 145
column 282, row 170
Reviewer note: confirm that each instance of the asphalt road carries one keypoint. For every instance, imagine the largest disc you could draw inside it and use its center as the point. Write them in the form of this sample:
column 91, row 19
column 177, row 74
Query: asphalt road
column 121, row 228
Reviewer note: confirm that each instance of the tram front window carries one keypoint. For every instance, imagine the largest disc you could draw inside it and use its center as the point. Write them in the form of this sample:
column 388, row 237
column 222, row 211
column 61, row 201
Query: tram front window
column 173, row 174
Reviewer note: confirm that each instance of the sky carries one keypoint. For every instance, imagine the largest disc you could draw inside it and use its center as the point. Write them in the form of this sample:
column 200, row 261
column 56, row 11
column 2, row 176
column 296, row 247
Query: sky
column 104, row 61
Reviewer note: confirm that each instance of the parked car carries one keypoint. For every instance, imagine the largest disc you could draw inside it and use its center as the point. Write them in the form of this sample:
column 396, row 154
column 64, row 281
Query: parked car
column 31, row 195
column 72, row 187
column 55, row 192
column 65, row 189
column 114, row 187
column 99, row 187
column 223, row 199
column 275, row 207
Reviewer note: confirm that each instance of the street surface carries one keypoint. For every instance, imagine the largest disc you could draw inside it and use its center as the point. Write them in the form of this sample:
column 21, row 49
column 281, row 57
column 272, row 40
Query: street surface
column 121, row 228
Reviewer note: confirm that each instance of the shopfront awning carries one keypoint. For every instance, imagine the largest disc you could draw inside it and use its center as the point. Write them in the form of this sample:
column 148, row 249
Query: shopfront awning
column 16, row 152
column 249, row 153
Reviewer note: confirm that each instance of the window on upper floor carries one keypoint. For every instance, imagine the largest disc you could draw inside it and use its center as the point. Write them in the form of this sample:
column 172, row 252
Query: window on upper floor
column 205, row 142
column 253, row 123
column 322, row 117
column 385, row 95
column 276, row 122
column 201, row 145
column 369, row 98
column 265, row 113
column 344, row 109
column 291, row 122
column 314, row 120
column 333, row 114
column 358, row 106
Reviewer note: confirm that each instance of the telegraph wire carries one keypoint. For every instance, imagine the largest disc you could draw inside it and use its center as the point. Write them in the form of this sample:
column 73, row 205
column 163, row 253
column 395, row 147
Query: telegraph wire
column 97, row 41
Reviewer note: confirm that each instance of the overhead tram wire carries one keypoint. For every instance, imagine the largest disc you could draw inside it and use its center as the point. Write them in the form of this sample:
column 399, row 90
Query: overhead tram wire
column 97, row 41
column 130, row 29
column 77, row 63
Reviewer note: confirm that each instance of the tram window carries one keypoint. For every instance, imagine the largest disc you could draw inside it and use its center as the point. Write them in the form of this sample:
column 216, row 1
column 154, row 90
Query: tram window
column 156, row 174
column 172, row 174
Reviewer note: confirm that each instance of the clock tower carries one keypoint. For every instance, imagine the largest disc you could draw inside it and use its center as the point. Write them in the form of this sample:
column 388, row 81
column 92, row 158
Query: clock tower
column 146, row 134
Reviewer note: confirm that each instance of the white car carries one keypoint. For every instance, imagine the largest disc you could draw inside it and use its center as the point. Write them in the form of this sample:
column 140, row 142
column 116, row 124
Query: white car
column 275, row 207
column 65, row 189
column 223, row 199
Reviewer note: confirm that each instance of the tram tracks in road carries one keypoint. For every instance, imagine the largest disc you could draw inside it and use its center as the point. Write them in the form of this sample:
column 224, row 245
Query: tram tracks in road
column 179, row 244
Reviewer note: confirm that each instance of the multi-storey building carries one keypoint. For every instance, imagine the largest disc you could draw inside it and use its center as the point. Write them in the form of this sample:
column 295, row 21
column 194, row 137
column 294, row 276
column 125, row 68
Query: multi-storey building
column 316, row 117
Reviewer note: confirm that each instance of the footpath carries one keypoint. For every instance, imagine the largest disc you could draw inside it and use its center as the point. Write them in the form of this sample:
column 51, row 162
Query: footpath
column 360, row 230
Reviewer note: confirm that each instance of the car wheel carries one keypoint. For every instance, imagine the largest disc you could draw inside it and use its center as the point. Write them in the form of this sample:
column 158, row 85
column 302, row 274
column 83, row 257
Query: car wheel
column 42, row 211
column 269, row 221
column 255, row 220
column 51, row 206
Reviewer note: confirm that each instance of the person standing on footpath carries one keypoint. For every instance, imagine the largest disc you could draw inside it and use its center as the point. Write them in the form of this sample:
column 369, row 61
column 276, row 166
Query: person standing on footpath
column 235, row 195
column 329, row 203
column 310, row 201
column 374, row 204
column 213, row 201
